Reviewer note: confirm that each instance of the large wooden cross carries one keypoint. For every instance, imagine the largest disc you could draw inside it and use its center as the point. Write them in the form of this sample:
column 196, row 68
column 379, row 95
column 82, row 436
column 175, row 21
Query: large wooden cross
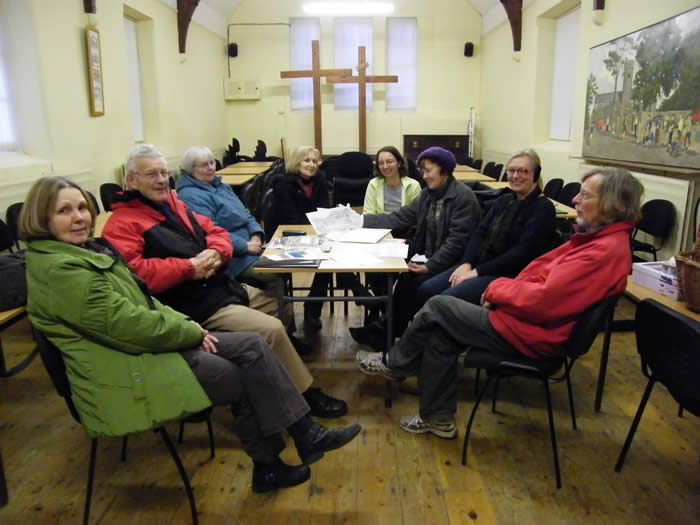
column 361, row 80
column 316, row 73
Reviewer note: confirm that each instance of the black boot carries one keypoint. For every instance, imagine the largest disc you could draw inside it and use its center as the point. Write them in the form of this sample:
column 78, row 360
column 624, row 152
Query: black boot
column 372, row 335
column 319, row 439
column 277, row 475
column 323, row 405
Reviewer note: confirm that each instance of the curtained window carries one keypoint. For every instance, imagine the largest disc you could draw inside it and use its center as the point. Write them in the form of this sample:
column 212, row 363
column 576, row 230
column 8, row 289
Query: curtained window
column 564, row 75
column 401, row 59
column 348, row 35
column 134, row 77
column 8, row 134
column 301, row 33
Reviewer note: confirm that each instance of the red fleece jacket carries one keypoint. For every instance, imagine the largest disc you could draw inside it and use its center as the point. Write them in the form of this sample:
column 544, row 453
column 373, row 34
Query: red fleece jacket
column 536, row 311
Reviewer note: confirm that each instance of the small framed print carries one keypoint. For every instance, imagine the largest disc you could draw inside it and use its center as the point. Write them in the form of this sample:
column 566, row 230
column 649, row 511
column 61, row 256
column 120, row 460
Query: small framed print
column 94, row 63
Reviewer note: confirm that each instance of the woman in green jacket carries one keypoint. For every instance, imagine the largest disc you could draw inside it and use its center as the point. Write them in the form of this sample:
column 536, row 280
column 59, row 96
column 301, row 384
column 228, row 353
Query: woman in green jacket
column 134, row 363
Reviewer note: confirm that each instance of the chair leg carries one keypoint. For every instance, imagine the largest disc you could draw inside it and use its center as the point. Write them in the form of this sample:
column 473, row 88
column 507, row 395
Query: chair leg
column 489, row 378
column 495, row 394
column 476, row 381
column 635, row 424
column 181, row 432
column 181, row 470
column 572, row 409
column 552, row 433
column 212, row 447
column 125, row 440
column 345, row 304
column 91, row 476
column 331, row 293
column 602, row 368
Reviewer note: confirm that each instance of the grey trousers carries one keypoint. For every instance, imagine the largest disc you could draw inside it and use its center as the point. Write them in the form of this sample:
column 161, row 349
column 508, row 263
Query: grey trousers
column 246, row 374
column 429, row 348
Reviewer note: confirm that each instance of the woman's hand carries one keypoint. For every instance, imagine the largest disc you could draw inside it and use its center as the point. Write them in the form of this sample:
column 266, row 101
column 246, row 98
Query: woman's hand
column 208, row 343
column 418, row 268
column 255, row 245
column 462, row 273
column 484, row 302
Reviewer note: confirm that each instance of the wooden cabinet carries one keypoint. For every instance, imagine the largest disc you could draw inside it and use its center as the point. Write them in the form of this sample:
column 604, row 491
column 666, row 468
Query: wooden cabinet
column 457, row 144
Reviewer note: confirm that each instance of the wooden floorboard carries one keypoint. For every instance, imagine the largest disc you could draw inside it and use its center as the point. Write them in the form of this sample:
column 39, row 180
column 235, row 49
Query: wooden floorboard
column 386, row 476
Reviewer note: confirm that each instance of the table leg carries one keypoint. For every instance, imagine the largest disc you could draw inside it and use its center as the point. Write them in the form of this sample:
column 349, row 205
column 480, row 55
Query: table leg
column 389, row 333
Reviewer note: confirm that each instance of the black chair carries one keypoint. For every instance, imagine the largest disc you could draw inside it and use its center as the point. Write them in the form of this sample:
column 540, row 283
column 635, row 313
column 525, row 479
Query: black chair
column 232, row 156
column 107, row 192
column 553, row 188
column 658, row 218
column 488, row 169
column 668, row 344
column 415, row 173
column 477, row 164
column 7, row 240
column 497, row 366
column 12, row 220
column 56, row 368
column 355, row 170
column 94, row 202
column 568, row 192
column 499, row 173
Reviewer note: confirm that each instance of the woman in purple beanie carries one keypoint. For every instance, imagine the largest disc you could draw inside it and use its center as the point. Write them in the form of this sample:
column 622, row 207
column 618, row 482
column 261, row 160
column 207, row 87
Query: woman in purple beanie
column 443, row 217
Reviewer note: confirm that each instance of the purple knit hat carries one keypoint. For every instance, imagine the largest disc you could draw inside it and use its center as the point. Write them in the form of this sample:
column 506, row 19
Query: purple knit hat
column 443, row 158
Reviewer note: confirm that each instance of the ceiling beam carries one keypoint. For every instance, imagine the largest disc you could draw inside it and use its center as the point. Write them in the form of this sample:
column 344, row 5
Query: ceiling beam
column 89, row 6
column 185, row 10
column 514, row 10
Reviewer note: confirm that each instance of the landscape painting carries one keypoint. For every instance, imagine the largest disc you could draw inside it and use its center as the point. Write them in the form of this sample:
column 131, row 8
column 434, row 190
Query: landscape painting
column 643, row 95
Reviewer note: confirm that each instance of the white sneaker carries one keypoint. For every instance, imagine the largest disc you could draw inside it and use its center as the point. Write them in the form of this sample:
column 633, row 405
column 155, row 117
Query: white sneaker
column 443, row 427
column 371, row 363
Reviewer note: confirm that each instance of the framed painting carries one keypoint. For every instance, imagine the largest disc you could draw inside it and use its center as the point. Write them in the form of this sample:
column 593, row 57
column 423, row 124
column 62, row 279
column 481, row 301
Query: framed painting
column 94, row 62
column 643, row 95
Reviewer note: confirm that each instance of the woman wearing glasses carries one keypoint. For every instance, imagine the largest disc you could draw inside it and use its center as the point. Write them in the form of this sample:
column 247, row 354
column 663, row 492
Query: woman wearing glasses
column 391, row 187
column 518, row 227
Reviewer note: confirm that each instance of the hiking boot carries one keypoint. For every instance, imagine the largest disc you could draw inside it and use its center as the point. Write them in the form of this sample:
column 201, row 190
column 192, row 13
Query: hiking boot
column 441, row 426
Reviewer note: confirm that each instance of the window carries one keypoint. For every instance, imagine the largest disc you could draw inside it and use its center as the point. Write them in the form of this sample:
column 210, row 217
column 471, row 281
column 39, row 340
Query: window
column 401, row 58
column 8, row 136
column 134, row 73
column 348, row 35
column 564, row 75
column 301, row 33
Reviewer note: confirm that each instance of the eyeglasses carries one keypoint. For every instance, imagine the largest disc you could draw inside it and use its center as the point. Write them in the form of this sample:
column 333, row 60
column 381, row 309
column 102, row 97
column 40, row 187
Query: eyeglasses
column 519, row 171
column 585, row 195
column 153, row 175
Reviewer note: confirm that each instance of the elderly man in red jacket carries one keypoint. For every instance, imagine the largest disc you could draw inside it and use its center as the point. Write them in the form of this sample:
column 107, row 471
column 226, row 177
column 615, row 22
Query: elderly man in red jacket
column 182, row 258
column 531, row 314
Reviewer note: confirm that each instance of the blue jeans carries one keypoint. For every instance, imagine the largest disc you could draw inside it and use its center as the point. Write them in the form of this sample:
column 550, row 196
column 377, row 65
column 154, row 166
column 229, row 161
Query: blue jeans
column 469, row 290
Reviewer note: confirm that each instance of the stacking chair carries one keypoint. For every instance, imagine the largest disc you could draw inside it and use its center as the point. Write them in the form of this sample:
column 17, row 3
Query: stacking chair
column 7, row 240
column 553, row 188
column 94, row 202
column 107, row 192
column 668, row 344
column 56, row 368
column 469, row 161
column 498, row 173
column 355, row 169
column 658, row 218
column 415, row 173
column 12, row 220
column 498, row 366
column 568, row 192
column 488, row 169
column 477, row 164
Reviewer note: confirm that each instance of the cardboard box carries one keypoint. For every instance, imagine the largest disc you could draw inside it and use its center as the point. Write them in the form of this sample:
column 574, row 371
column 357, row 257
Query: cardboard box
column 658, row 277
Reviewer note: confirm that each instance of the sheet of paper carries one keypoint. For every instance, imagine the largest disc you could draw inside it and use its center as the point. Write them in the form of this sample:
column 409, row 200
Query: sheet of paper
column 326, row 220
column 359, row 235
column 367, row 254
column 419, row 258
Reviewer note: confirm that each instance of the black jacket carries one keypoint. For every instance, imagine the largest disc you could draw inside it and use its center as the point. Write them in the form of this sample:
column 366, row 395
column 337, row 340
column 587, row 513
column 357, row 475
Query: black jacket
column 290, row 204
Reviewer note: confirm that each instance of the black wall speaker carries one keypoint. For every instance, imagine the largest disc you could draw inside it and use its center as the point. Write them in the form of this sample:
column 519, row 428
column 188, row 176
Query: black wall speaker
column 233, row 50
column 468, row 49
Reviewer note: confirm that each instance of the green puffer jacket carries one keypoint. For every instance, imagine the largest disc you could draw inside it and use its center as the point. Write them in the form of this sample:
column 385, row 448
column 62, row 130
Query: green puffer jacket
column 121, row 355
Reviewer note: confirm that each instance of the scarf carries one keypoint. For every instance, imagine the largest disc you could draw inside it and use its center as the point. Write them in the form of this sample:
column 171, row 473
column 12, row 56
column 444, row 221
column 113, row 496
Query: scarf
column 434, row 208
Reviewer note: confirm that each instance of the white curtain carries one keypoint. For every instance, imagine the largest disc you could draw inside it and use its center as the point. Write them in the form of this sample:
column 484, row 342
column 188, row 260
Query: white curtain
column 564, row 75
column 348, row 35
column 8, row 135
column 301, row 33
column 134, row 78
column 401, row 59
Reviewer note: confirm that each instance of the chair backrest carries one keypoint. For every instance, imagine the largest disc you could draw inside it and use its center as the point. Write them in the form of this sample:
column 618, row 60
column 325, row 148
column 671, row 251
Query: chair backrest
column 469, row 161
column 355, row 165
column 12, row 219
column 260, row 151
column 488, row 169
column 568, row 192
column 590, row 322
column 669, row 345
column 658, row 218
column 107, row 192
column 553, row 188
column 94, row 202
column 415, row 173
column 7, row 240
column 265, row 211
column 477, row 164
column 56, row 368
column 498, row 173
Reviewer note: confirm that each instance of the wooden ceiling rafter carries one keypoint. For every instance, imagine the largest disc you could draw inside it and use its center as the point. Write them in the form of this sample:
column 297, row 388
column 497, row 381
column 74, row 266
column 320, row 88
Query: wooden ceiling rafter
column 90, row 7
column 514, row 10
column 185, row 10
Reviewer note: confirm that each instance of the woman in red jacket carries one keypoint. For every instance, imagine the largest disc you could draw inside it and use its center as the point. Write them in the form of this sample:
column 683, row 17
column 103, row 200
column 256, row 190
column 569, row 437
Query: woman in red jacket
column 531, row 314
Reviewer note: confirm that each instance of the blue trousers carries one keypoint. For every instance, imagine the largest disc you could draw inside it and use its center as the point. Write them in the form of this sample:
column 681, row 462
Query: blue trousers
column 469, row 290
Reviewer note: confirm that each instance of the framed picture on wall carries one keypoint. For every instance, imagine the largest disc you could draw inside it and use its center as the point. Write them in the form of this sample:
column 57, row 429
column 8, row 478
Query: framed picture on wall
column 643, row 95
column 94, row 63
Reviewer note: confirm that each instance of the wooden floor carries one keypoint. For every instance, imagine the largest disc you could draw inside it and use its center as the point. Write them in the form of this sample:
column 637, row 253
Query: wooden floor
column 384, row 476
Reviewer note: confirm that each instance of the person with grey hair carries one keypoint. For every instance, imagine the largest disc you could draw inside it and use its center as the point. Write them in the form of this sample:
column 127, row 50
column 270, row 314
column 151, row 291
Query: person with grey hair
column 182, row 258
column 518, row 227
column 205, row 193
column 531, row 314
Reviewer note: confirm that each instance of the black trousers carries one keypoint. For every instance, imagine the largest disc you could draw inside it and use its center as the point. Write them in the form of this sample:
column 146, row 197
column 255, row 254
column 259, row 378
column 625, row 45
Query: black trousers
column 246, row 374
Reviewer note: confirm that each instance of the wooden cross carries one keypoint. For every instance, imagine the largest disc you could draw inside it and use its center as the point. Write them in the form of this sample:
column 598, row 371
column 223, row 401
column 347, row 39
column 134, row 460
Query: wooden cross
column 361, row 80
column 316, row 73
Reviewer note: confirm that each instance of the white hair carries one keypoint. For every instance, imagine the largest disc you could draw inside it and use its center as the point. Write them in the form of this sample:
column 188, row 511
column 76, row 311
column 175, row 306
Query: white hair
column 141, row 151
column 194, row 155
